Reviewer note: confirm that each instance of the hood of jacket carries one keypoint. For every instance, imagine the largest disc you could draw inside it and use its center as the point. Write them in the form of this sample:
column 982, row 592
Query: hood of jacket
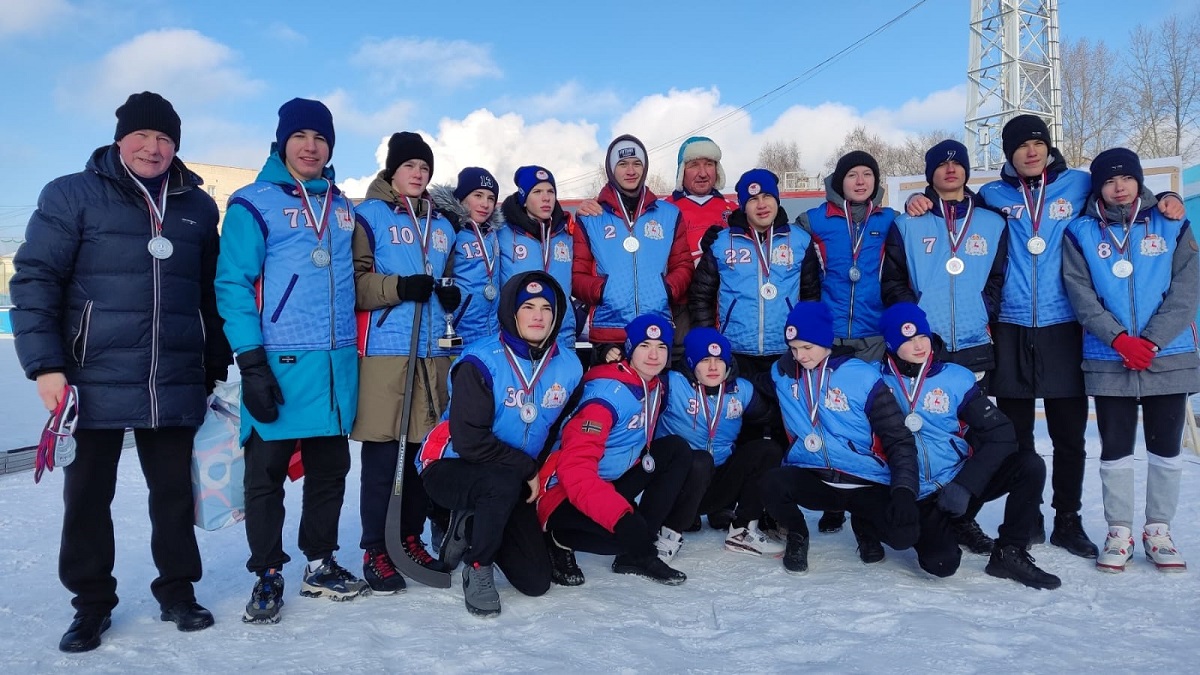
column 456, row 212
column 275, row 171
column 1057, row 164
column 835, row 197
column 507, row 313
column 512, row 212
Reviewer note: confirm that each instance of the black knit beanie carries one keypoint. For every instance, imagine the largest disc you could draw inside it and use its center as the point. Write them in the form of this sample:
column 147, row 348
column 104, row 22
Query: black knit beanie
column 849, row 161
column 147, row 110
column 403, row 146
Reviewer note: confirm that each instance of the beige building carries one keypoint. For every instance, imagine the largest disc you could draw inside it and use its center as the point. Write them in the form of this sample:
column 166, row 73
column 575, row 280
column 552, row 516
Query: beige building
column 222, row 181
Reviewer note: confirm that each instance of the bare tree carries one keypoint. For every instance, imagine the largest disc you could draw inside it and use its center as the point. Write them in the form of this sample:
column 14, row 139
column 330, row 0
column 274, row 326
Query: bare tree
column 1164, row 67
column 780, row 157
column 659, row 185
column 905, row 159
column 1093, row 109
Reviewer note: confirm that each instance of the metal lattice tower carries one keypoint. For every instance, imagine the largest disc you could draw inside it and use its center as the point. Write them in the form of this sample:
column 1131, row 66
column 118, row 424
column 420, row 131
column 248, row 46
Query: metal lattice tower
column 1014, row 69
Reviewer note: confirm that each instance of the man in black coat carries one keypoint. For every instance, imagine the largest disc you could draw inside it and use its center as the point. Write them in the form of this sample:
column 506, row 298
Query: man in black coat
column 113, row 295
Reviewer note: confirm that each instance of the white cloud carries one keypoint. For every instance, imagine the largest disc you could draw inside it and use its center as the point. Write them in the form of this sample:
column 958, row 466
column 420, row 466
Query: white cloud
column 285, row 33
column 22, row 16
column 347, row 116
column 940, row 109
column 408, row 61
column 185, row 66
column 568, row 100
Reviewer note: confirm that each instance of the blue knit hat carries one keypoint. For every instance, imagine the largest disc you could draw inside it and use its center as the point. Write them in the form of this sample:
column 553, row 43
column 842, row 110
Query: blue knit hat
column 1115, row 162
column 901, row 322
column 754, row 182
column 474, row 178
column 527, row 178
column 535, row 289
column 810, row 322
column 303, row 113
column 701, row 343
column 648, row 327
column 948, row 150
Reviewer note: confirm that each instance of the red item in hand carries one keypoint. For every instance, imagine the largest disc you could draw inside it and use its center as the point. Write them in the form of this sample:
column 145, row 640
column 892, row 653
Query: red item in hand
column 1136, row 352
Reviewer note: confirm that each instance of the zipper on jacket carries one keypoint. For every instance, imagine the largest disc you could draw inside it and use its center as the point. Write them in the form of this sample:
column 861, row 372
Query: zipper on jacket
column 953, row 317
column 1133, row 323
column 761, row 310
column 154, row 329
column 85, row 325
column 203, row 339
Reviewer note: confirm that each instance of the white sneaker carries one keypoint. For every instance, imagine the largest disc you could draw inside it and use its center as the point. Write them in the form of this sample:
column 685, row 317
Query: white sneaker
column 668, row 544
column 1160, row 550
column 1118, row 549
column 752, row 541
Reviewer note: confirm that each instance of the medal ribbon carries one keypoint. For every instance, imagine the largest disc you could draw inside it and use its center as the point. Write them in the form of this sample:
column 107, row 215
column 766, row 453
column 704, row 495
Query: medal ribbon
column 630, row 222
column 158, row 209
column 711, row 421
column 527, row 384
column 1121, row 243
column 813, row 396
column 918, row 382
column 318, row 225
column 488, row 261
column 948, row 212
column 1035, row 215
column 856, row 230
column 546, row 237
column 650, row 409
column 424, row 233
column 764, row 260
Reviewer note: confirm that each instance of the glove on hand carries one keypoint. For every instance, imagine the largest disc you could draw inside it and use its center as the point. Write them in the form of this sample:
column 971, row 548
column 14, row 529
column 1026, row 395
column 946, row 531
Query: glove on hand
column 414, row 288
column 903, row 519
column 260, row 390
column 449, row 297
column 1136, row 352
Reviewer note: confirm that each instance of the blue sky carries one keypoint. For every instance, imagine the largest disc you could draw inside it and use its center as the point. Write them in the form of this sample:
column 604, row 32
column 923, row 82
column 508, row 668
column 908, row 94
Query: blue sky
column 489, row 83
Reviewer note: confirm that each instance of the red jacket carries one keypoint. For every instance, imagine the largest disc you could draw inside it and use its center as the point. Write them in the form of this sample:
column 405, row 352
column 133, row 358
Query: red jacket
column 584, row 443
column 697, row 218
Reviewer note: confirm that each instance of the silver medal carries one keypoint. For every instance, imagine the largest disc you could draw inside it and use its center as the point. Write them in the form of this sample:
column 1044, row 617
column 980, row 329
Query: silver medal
column 647, row 463
column 320, row 257
column 913, row 422
column 489, row 292
column 813, row 442
column 855, row 274
column 160, row 247
column 1122, row 269
column 955, row 266
column 64, row 451
column 1036, row 245
column 528, row 413
column 631, row 244
column 428, row 268
column 768, row 291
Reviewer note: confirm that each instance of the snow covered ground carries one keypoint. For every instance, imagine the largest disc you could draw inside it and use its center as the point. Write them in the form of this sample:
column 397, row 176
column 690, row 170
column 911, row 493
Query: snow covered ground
column 734, row 614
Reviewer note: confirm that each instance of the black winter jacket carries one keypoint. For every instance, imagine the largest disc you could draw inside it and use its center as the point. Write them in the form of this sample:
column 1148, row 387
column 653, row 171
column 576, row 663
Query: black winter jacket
column 136, row 335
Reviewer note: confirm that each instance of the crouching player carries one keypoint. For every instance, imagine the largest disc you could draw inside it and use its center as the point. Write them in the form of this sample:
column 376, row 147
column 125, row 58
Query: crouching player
column 706, row 405
column 607, row 458
column 507, row 395
column 968, row 454
column 833, row 408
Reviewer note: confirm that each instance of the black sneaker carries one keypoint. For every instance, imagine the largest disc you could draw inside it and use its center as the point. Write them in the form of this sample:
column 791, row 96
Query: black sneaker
column 869, row 548
column 1068, row 533
column 651, row 567
column 969, row 534
column 720, row 520
column 795, row 556
column 188, row 616
column 266, row 599
column 380, row 572
column 1013, row 562
column 331, row 580
column 564, row 570
column 415, row 548
column 831, row 521
column 457, row 539
column 84, row 633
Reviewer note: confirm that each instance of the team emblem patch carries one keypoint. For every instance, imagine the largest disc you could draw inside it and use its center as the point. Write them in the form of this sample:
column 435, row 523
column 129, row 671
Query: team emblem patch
column 533, row 287
column 1153, row 245
column 789, row 333
column 344, row 221
column 753, row 189
column 975, row 245
column 782, row 255
column 733, row 409
column 908, row 329
column 542, row 175
column 836, row 400
column 1061, row 209
column 440, row 242
column 653, row 332
column 556, row 397
column 714, row 349
column 561, row 252
column 936, row 402
column 653, row 230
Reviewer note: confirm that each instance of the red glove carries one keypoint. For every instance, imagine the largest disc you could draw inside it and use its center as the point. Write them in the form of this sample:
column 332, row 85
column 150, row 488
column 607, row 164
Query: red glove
column 1136, row 352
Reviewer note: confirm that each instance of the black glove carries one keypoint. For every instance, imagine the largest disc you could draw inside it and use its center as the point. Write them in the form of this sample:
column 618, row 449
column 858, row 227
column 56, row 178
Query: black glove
column 260, row 390
column 903, row 519
column 449, row 297
column 212, row 375
column 953, row 499
column 710, row 235
column 414, row 288
column 633, row 534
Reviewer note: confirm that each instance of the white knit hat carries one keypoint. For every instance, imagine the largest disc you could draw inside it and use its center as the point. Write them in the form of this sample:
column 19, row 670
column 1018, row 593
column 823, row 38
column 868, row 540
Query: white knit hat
column 698, row 147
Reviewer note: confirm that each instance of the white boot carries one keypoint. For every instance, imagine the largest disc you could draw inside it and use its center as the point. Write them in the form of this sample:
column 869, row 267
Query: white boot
column 668, row 544
column 752, row 541
column 1160, row 549
column 1118, row 549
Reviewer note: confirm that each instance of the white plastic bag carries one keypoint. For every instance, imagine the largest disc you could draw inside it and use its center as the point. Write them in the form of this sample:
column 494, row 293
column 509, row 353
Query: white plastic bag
column 218, row 464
